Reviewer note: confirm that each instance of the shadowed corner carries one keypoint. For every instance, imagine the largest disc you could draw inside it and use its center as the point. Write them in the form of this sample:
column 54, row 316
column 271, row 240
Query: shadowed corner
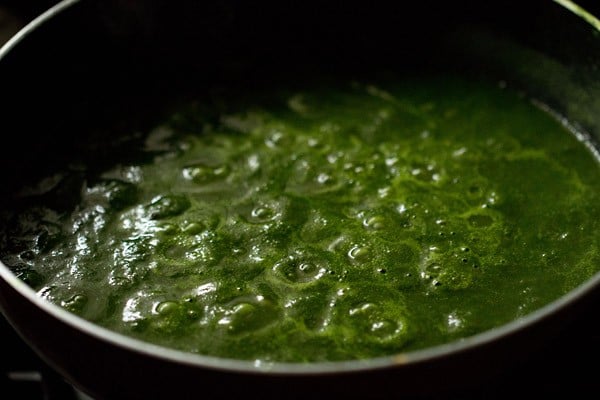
column 21, row 370
column 9, row 24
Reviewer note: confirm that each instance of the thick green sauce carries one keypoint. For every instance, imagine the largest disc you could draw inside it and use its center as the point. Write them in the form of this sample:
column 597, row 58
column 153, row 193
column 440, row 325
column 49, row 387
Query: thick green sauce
column 338, row 222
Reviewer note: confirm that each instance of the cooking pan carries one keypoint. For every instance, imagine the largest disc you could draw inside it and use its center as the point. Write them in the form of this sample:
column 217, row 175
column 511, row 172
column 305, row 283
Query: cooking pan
column 86, row 72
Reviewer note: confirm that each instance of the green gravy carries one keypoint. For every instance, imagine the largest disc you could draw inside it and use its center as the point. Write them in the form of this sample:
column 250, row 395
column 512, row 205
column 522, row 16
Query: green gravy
column 333, row 223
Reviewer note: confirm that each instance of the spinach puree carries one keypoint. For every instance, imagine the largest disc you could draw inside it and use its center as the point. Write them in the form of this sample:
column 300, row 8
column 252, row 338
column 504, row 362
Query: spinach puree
column 336, row 222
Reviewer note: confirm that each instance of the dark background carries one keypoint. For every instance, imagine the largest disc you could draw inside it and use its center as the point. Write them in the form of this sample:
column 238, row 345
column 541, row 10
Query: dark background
column 567, row 366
